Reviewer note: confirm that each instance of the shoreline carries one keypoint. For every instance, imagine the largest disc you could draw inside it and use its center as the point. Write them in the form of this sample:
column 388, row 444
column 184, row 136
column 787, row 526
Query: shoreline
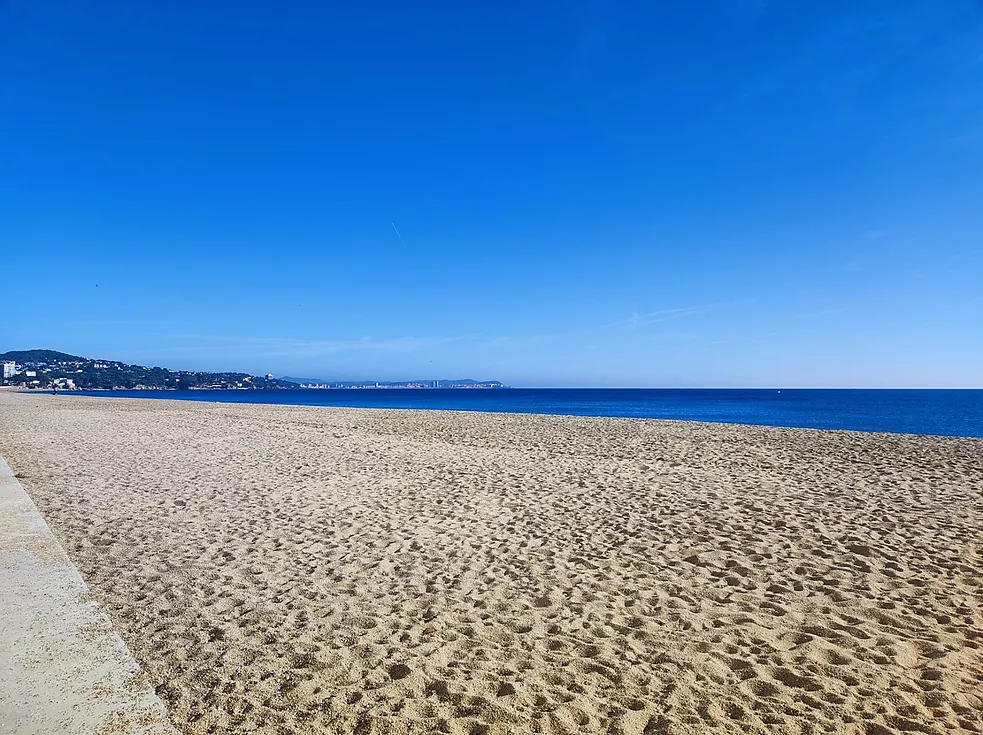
column 82, row 394
column 280, row 568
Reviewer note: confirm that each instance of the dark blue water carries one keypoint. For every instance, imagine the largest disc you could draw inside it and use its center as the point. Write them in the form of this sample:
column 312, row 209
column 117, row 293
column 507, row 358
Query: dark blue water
column 944, row 412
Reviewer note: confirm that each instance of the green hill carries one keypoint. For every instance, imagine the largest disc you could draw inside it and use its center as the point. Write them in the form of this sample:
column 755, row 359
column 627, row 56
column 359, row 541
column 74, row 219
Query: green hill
column 35, row 356
column 45, row 368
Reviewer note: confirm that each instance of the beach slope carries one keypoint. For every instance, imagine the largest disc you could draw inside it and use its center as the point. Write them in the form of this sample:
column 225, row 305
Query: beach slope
column 283, row 569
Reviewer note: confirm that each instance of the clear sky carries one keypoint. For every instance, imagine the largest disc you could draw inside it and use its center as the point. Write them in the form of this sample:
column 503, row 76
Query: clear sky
column 596, row 193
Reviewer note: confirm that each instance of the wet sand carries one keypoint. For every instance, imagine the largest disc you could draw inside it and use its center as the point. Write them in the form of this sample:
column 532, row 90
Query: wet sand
column 284, row 569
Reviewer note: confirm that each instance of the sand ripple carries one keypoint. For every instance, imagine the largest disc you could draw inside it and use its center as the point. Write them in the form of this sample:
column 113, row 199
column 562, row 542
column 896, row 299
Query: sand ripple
column 312, row 570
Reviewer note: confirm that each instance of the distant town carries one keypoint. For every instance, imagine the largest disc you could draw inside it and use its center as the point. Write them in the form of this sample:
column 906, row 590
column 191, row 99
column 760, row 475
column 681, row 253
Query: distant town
column 329, row 385
column 52, row 370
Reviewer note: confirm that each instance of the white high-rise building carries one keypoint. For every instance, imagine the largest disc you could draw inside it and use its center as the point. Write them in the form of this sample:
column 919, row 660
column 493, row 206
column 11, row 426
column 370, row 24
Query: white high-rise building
column 9, row 369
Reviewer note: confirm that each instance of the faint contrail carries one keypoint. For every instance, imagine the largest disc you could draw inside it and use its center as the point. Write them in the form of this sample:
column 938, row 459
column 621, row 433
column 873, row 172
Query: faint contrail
column 397, row 233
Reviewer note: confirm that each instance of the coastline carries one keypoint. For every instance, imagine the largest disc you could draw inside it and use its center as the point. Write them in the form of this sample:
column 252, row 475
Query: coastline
column 315, row 569
column 942, row 412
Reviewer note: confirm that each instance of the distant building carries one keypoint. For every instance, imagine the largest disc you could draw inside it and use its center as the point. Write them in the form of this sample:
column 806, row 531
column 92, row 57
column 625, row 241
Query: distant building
column 269, row 376
column 9, row 369
column 31, row 373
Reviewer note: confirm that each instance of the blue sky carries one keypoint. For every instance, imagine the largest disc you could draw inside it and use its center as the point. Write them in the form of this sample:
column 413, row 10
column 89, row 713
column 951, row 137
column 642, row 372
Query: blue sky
column 728, row 193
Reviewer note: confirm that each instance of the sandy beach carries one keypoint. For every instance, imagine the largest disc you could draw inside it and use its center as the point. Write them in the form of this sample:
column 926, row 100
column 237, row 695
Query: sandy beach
column 281, row 569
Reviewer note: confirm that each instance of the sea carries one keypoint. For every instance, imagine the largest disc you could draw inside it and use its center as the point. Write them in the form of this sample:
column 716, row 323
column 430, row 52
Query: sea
column 937, row 412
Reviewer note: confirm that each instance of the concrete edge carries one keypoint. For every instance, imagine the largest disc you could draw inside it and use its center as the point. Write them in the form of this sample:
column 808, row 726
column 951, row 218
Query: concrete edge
column 63, row 669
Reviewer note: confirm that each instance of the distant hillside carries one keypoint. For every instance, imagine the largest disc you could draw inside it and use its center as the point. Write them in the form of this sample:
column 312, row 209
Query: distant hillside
column 49, row 368
column 26, row 356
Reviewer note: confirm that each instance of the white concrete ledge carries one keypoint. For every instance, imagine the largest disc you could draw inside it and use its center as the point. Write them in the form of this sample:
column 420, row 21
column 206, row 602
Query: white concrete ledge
column 63, row 670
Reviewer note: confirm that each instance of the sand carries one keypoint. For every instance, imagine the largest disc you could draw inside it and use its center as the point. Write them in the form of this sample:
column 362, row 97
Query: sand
column 310, row 570
column 63, row 669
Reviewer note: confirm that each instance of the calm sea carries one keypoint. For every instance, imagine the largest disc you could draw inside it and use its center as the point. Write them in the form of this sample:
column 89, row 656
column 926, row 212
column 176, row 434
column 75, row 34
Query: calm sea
column 944, row 412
